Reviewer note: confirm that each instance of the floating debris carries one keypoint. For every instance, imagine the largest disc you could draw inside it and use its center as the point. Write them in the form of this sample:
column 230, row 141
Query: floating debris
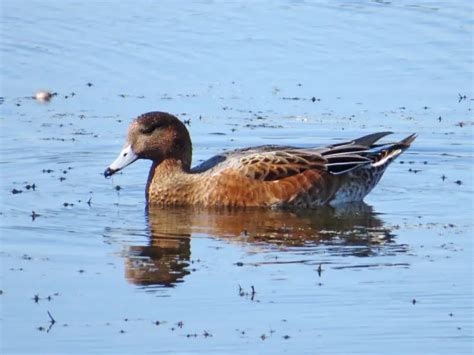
column 43, row 96
column 250, row 294
column 34, row 215
column 32, row 187
column 320, row 270
column 52, row 320
column 206, row 334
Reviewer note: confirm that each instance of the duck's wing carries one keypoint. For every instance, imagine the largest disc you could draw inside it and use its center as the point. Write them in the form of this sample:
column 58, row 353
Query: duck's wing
column 273, row 162
column 226, row 158
column 276, row 164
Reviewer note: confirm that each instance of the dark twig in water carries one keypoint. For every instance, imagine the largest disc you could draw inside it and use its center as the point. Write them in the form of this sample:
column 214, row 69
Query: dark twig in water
column 251, row 294
column 51, row 322
column 320, row 270
column 51, row 318
column 206, row 334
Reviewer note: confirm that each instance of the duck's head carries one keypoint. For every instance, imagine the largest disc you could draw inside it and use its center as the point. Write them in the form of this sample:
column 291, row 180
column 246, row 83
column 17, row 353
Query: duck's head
column 156, row 136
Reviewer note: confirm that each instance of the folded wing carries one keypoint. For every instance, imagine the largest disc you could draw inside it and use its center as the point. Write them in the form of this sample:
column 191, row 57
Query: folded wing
column 272, row 162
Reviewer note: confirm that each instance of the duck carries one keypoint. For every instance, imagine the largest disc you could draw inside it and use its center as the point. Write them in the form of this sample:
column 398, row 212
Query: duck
column 268, row 176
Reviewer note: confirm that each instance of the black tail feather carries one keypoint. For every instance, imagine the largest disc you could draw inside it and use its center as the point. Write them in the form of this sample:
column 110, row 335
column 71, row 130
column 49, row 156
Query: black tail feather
column 371, row 138
column 348, row 156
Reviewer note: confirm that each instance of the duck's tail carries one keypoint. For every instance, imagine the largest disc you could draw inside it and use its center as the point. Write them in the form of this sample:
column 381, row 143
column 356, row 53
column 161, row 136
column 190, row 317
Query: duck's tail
column 373, row 161
column 384, row 154
column 344, row 157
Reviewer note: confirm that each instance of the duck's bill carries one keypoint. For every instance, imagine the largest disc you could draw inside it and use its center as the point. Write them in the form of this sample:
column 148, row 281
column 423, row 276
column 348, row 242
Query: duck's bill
column 125, row 158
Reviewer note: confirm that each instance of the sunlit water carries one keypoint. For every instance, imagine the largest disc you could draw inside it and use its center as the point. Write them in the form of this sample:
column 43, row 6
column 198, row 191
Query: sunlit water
column 392, row 275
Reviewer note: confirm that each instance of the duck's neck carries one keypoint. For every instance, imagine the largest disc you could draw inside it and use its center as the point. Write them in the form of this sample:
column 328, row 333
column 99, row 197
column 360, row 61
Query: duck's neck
column 166, row 177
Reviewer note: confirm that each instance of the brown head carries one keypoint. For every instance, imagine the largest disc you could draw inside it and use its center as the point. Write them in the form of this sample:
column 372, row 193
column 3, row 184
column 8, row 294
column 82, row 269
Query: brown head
column 156, row 136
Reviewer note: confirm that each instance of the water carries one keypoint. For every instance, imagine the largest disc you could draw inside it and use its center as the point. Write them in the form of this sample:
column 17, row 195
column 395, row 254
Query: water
column 392, row 275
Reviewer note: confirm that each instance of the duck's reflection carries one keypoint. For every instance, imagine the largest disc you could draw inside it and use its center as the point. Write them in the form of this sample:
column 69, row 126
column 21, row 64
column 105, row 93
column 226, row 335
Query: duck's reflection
column 352, row 230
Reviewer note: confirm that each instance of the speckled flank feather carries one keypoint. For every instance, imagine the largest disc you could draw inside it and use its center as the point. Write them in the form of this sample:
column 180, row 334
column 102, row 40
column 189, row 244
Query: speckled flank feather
column 265, row 176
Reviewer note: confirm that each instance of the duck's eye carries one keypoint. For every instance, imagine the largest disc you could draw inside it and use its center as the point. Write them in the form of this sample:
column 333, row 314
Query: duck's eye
column 149, row 129
column 125, row 154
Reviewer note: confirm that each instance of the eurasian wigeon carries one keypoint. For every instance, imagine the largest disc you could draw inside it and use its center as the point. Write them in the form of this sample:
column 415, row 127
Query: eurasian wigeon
column 263, row 176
